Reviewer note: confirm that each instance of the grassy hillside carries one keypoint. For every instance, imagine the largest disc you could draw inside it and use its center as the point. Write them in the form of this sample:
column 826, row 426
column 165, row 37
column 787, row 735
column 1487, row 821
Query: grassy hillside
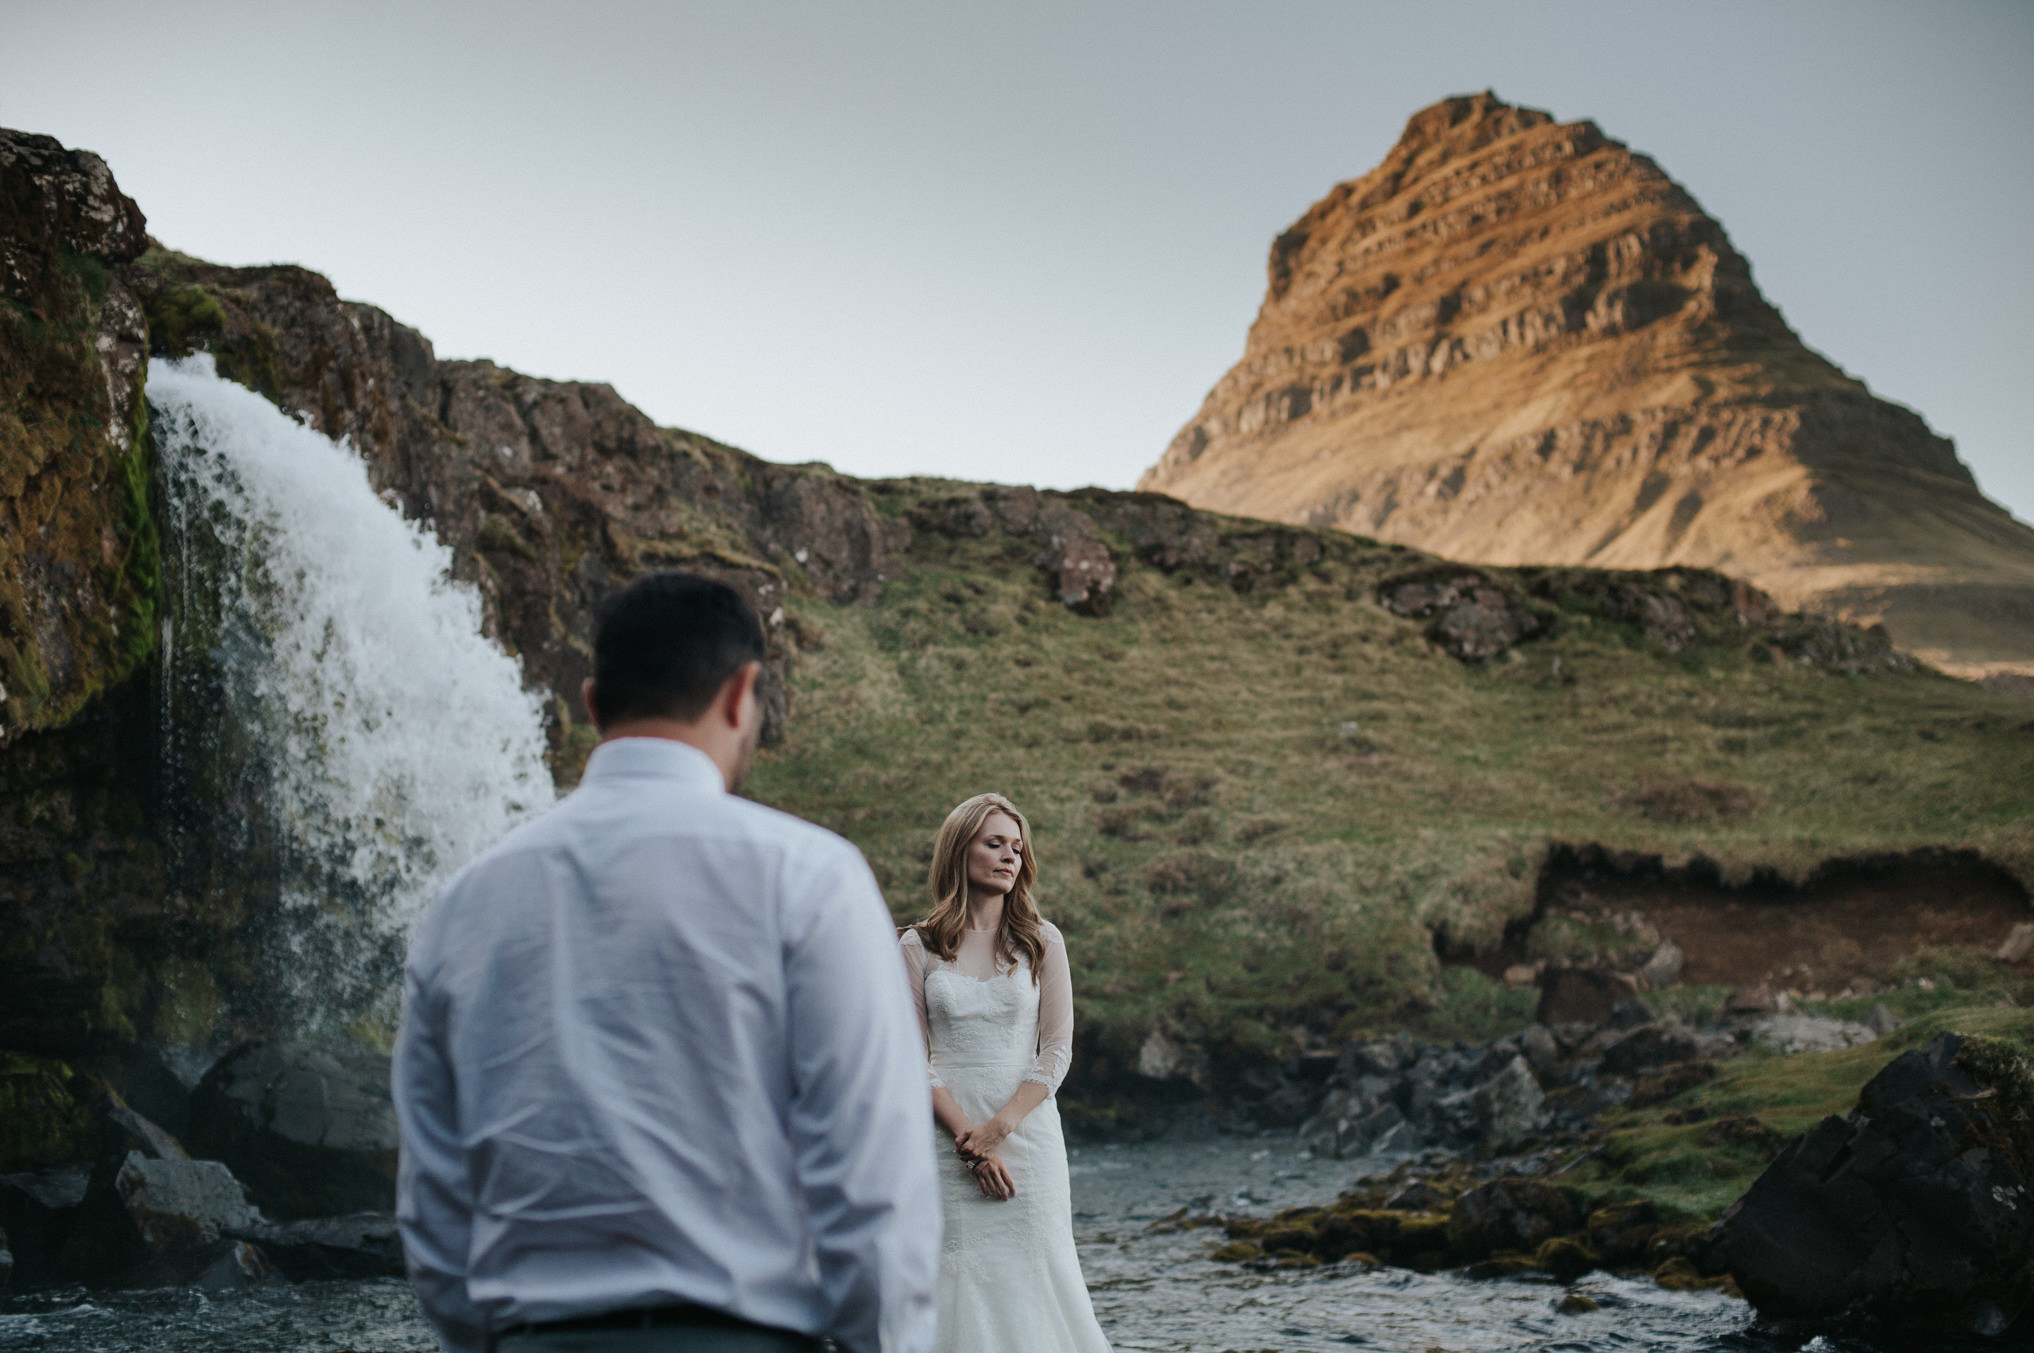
column 1256, row 804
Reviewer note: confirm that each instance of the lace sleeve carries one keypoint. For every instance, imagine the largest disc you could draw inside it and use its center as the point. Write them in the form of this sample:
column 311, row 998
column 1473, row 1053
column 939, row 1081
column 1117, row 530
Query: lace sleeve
column 1055, row 1014
column 915, row 960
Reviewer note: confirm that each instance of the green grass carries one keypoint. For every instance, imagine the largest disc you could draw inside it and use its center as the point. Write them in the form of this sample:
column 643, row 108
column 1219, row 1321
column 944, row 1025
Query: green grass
column 1253, row 810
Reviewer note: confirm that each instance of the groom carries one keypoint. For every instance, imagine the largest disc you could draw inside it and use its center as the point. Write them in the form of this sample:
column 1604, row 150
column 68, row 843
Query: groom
column 659, row 1081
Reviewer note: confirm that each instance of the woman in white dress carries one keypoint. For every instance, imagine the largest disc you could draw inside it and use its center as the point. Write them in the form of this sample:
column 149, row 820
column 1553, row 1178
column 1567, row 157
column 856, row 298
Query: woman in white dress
column 996, row 1003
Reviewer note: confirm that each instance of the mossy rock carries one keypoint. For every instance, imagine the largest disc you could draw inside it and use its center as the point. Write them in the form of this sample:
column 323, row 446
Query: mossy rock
column 46, row 1114
column 1236, row 1252
column 1290, row 1238
column 1679, row 1274
column 1565, row 1257
column 1576, row 1304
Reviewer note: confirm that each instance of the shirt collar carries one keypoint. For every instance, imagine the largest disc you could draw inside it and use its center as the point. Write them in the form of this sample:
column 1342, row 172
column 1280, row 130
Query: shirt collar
column 654, row 758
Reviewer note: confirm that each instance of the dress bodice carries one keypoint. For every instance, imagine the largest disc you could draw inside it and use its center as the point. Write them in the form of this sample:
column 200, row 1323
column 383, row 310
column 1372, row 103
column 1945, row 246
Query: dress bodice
column 978, row 1011
column 977, row 1021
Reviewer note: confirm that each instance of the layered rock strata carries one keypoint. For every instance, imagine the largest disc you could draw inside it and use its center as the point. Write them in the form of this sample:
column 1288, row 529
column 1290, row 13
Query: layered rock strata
column 1517, row 341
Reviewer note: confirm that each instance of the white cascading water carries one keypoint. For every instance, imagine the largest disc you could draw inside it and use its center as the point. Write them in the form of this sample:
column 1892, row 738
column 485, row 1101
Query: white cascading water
column 391, row 739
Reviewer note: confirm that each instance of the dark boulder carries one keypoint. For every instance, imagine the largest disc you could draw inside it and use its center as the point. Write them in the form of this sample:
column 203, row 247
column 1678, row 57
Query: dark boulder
column 36, row 1210
column 313, row 1134
column 361, row 1246
column 1512, row 1215
column 1915, row 1209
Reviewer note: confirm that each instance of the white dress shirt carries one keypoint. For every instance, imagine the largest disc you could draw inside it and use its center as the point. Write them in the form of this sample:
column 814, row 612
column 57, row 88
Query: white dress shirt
column 657, row 1046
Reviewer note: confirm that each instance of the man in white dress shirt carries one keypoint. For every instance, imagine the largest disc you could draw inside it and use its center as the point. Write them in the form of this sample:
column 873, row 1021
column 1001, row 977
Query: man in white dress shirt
column 660, row 1083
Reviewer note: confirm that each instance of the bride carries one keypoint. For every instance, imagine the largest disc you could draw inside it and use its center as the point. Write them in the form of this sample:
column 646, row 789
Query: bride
column 996, row 1004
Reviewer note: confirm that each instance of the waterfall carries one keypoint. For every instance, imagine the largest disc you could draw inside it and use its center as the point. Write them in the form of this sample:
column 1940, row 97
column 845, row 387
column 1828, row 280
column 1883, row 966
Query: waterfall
column 339, row 734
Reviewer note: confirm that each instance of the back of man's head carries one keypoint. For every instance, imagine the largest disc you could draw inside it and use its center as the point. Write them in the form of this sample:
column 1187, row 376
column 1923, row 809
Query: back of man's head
column 666, row 644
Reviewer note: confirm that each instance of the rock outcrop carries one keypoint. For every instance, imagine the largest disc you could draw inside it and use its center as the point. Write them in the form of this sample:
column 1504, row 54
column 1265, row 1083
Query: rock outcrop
column 1914, row 1210
column 78, row 563
column 1517, row 341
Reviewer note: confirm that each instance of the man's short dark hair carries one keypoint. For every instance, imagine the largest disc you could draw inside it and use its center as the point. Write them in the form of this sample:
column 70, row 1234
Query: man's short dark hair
column 667, row 643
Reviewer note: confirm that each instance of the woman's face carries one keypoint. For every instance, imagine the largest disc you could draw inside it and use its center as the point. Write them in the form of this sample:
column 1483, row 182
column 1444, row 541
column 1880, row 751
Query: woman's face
column 994, row 854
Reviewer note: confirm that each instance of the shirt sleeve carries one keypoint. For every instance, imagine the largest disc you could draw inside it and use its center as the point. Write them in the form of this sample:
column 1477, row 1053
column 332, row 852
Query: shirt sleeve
column 915, row 961
column 860, row 1115
column 434, row 1202
column 1055, row 1015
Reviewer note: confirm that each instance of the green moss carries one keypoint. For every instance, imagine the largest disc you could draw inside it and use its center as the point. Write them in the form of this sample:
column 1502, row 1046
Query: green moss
column 60, row 449
column 45, row 1113
column 182, row 319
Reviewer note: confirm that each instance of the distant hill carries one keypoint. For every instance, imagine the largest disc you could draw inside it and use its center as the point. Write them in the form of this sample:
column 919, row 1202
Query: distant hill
column 1517, row 341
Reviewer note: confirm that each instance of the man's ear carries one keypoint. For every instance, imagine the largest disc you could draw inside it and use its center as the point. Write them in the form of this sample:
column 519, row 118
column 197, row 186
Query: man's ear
column 734, row 695
column 586, row 698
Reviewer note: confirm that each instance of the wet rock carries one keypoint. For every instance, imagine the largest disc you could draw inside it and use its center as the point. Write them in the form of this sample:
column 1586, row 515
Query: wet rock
column 1512, row 1214
column 1620, row 1233
column 312, row 1134
column 1417, row 1196
column 1510, row 1106
column 1914, row 1209
column 6, row 1264
column 1809, row 1033
column 362, row 1246
column 240, row 1265
column 181, row 1205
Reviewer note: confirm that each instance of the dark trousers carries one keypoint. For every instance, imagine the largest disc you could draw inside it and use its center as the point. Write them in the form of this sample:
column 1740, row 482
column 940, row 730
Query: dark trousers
column 654, row 1332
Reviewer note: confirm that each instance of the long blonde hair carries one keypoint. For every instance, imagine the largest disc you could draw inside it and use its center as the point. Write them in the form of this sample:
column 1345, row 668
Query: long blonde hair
column 940, row 931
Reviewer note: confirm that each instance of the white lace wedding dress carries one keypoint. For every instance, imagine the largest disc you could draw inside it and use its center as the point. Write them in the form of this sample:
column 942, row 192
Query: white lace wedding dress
column 1009, row 1280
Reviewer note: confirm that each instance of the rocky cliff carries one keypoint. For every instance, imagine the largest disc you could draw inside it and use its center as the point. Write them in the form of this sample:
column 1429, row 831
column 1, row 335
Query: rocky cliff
column 1518, row 341
column 77, row 547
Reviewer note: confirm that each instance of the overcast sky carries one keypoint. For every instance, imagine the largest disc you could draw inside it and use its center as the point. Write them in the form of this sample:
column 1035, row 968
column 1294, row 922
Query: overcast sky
column 1019, row 241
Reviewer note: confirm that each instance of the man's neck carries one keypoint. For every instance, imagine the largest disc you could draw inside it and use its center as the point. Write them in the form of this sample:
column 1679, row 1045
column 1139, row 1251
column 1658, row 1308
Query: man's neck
column 725, row 756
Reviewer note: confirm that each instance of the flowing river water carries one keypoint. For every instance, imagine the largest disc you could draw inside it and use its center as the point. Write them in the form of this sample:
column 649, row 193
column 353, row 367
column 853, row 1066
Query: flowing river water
column 1154, row 1287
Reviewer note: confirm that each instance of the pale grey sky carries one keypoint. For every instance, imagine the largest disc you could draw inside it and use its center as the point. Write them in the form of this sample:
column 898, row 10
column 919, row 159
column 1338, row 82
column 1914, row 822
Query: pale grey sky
column 1020, row 241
